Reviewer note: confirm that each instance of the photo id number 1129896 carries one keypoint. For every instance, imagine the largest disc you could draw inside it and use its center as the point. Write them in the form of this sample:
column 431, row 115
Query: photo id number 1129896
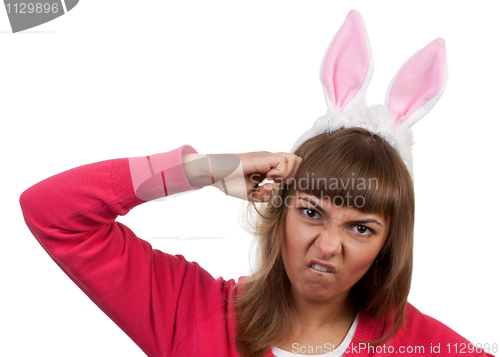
column 33, row 8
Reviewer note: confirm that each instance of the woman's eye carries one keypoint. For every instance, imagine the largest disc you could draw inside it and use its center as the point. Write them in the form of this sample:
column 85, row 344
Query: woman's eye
column 310, row 213
column 364, row 230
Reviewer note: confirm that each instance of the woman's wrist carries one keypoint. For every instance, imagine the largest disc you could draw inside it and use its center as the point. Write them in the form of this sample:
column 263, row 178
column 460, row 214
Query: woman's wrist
column 223, row 171
column 197, row 169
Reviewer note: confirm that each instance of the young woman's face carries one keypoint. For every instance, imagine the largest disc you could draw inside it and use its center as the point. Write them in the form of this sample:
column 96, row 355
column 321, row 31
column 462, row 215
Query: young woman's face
column 320, row 236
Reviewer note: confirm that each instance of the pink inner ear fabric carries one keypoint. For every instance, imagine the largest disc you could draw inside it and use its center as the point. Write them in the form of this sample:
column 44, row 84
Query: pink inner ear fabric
column 418, row 81
column 346, row 62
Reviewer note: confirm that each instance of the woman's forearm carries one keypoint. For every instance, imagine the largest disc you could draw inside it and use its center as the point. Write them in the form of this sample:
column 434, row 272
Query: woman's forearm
column 203, row 170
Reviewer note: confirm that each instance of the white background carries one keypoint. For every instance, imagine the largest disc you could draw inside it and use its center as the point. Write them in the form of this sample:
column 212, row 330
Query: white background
column 121, row 78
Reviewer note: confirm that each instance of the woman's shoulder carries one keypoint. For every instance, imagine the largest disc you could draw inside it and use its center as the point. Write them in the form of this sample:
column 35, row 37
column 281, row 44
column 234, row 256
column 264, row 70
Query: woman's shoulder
column 415, row 319
column 444, row 339
column 421, row 334
column 429, row 326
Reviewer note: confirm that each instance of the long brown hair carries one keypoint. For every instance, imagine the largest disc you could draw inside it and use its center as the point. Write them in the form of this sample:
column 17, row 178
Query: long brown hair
column 346, row 163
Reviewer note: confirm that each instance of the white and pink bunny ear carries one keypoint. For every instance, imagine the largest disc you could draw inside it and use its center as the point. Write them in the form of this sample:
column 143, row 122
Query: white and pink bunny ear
column 347, row 66
column 345, row 72
column 418, row 85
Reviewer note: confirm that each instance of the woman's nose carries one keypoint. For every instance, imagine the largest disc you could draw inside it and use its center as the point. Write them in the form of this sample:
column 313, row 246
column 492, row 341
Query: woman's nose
column 329, row 243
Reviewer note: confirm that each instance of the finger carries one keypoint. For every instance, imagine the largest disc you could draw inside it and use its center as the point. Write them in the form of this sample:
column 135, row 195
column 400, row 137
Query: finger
column 297, row 161
column 290, row 165
column 276, row 170
column 262, row 193
column 280, row 169
column 286, row 169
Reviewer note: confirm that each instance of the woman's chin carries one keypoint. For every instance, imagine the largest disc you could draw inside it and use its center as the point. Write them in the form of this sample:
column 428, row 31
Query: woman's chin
column 318, row 294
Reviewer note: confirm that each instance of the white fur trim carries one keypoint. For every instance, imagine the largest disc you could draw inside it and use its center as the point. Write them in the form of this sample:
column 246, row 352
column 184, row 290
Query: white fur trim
column 375, row 119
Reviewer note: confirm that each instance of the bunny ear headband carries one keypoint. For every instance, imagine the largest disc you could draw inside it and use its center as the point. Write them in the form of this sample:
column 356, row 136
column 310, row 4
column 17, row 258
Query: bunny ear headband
column 345, row 73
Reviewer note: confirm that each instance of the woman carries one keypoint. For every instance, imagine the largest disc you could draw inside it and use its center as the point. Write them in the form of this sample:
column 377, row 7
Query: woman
column 319, row 252
column 335, row 235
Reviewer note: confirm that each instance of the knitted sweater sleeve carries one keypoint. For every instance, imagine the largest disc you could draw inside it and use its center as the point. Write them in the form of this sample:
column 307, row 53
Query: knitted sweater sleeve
column 146, row 292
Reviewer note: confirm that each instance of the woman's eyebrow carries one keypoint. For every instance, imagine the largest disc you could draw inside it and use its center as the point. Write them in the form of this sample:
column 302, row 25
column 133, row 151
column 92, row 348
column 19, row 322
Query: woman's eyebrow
column 354, row 221
column 363, row 221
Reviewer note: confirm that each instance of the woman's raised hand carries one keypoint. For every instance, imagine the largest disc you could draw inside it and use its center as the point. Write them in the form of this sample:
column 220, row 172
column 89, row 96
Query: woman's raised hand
column 241, row 175
column 257, row 166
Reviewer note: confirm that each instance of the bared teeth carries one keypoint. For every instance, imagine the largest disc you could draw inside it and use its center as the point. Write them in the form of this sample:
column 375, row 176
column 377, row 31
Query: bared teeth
column 321, row 268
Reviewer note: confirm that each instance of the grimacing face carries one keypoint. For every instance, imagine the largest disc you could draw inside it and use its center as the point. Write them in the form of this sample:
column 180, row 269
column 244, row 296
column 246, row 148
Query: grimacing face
column 327, row 249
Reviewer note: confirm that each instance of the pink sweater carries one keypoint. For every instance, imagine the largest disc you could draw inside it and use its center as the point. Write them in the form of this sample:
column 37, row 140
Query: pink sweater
column 168, row 306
